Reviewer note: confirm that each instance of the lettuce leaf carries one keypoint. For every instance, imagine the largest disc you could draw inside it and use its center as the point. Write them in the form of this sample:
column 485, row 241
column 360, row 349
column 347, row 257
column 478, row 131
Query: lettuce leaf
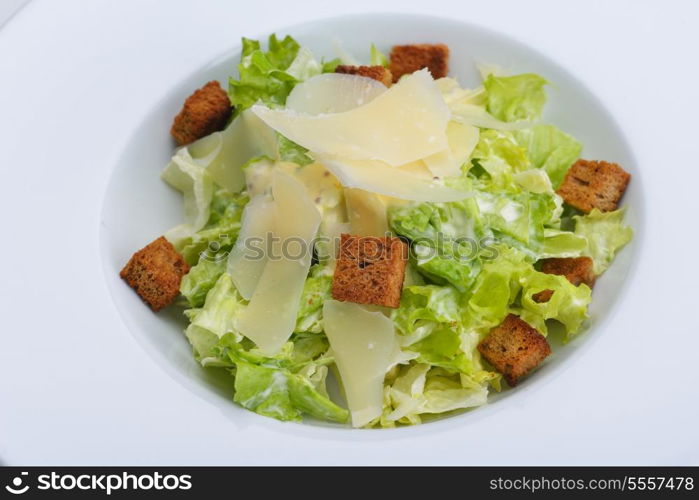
column 605, row 233
column 262, row 75
column 568, row 304
column 197, row 187
column 316, row 290
column 290, row 151
column 280, row 394
column 558, row 243
column 269, row 76
column 200, row 279
column 217, row 237
column 442, row 347
column 426, row 303
column 304, row 65
column 377, row 57
column 214, row 320
column 421, row 389
column 518, row 97
column 279, row 387
column 445, row 239
column 501, row 156
column 508, row 283
column 550, row 149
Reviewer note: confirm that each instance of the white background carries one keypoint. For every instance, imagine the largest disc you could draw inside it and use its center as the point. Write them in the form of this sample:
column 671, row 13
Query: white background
column 631, row 398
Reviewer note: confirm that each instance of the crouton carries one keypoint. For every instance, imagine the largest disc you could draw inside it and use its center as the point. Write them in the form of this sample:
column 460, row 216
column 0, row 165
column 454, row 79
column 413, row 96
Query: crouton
column 577, row 270
column 406, row 59
column 155, row 272
column 514, row 348
column 594, row 184
column 370, row 270
column 204, row 112
column 378, row 73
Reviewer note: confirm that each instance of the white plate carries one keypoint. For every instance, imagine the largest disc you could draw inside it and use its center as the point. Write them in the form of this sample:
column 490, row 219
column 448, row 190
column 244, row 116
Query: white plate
column 83, row 386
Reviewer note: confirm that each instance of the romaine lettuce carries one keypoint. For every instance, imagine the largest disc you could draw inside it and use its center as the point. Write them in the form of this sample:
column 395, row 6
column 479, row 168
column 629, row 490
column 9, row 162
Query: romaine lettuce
column 518, row 97
column 279, row 387
column 550, row 149
column 377, row 57
column 263, row 75
column 605, row 233
column 221, row 230
column 197, row 187
column 200, row 279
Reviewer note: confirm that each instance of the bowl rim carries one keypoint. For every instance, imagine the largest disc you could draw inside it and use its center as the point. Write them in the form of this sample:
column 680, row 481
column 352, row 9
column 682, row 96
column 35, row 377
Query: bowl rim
column 590, row 335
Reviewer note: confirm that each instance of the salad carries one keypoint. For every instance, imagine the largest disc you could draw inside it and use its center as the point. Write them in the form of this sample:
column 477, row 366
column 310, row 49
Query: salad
column 380, row 225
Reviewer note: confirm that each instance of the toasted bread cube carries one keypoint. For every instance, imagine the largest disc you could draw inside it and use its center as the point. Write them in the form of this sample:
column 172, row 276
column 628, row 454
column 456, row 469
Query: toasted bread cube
column 577, row 270
column 204, row 112
column 594, row 184
column 370, row 270
column 514, row 348
column 155, row 272
column 406, row 59
column 378, row 73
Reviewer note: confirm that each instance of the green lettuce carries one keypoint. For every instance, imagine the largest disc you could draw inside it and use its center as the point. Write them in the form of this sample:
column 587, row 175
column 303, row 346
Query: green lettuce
column 509, row 282
column 200, row 279
column 262, row 74
column 426, row 303
column 197, row 187
column 518, row 97
column 558, row 243
column 445, row 239
column 499, row 154
column 421, row 389
column 431, row 323
column 269, row 76
column 550, row 149
column 605, row 233
column 214, row 320
column 221, row 230
column 316, row 290
column 290, row 151
column 280, row 386
column 442, row 347
column 377, row 57
column 304, row 65
column 280, row 394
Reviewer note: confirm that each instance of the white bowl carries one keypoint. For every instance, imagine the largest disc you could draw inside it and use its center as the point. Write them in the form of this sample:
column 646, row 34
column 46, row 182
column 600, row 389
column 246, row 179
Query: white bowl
column 138, row 206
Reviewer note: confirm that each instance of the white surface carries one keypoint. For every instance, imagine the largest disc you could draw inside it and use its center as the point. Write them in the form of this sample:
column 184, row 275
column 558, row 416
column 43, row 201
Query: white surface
column 76, row 387
column 8, row 8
